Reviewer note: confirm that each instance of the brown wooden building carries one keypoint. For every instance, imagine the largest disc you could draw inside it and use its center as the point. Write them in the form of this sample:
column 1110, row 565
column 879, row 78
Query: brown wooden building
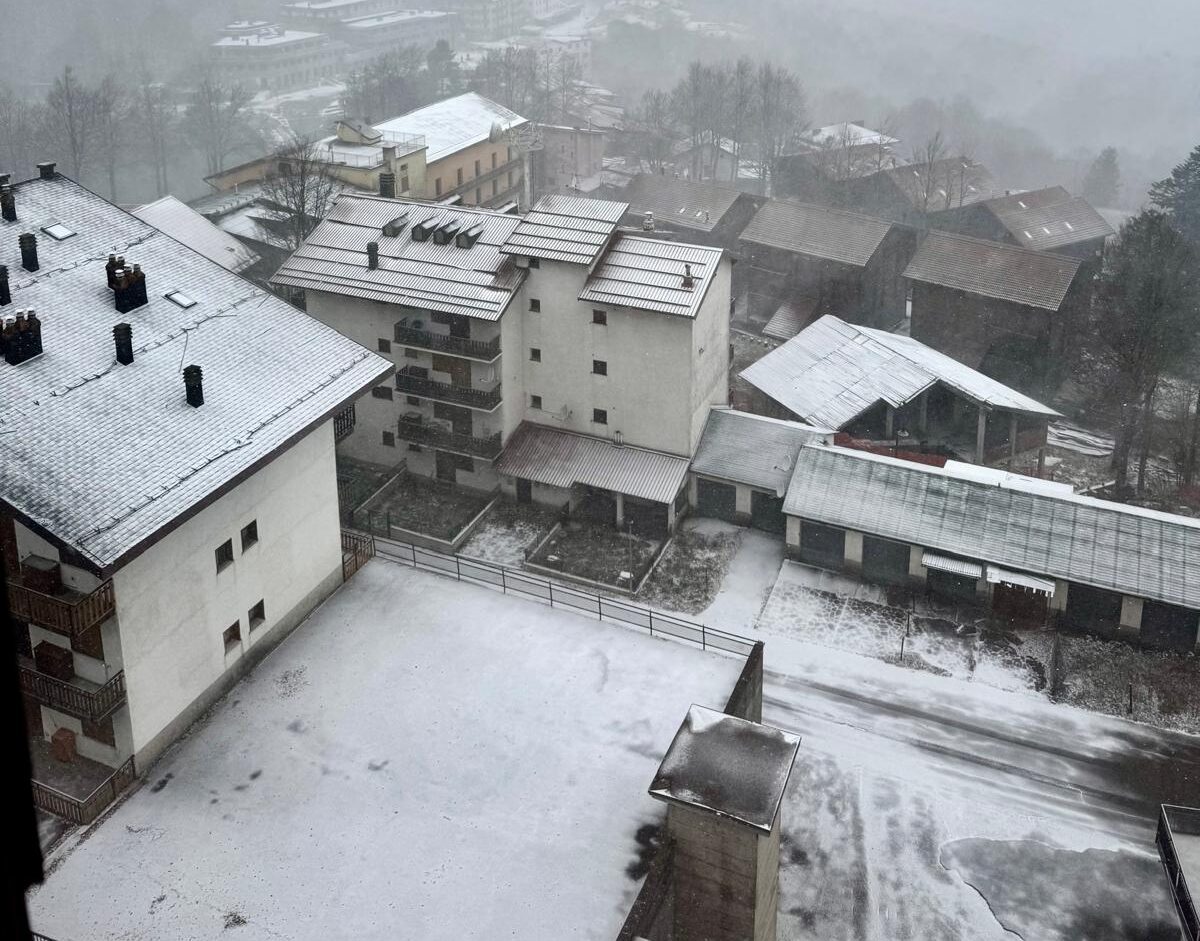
column 704, row 213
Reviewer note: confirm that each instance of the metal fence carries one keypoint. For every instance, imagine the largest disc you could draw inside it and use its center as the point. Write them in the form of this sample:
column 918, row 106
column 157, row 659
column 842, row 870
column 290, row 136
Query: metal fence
column 1184, row 822
column 558, row 595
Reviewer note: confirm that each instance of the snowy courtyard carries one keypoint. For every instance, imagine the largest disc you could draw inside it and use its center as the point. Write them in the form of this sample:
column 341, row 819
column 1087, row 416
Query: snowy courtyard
column 421, row 759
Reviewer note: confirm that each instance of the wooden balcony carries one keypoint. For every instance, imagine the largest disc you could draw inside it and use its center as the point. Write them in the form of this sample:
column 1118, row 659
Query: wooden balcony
column 483, row 400
column 442, row 440
column 76, row 697
column 67, row 612
column 485, row 351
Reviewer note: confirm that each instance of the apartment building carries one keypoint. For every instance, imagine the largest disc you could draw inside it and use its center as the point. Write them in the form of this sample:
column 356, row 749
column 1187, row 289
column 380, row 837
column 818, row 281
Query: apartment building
column 263, row 55
column 551, row 355
column 168, row 508
column 377, row 33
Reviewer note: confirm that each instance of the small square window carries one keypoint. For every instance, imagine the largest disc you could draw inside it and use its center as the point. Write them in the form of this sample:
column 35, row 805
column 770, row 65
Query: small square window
column 535, row 355
column 411, row 400
column 599, row 367
column 535, row 263
column 535, row 401
column 58, row 231
column 257, row 615
column 225, row 554
column 232, row 636
column 415, row 448
column 389, row 439
column 249, row 534
column 599, row 317
column 534, row 304
column 180, row 299
column 385, row 346
column 600, row 416
column 382, row 392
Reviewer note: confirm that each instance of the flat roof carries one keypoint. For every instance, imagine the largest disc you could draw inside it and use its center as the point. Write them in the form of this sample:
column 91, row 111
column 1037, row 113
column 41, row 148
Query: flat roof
column 474, row 769
column 453, row 124
column 267, row 37
column 651, row 274
column 393, row 16
column 752, row 449
column 806, row 229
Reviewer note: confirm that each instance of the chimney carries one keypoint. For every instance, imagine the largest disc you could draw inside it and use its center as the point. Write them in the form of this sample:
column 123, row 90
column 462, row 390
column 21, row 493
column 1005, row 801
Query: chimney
column 5, row 295
column 21, row 337
column 28, row 243
column 46, row 170
column 688, row 281
column 123, row 336
column 193, row 382
column 8, row 203
column 648, row 222
column 372, row 255
column 389, row 155
column 387, row 184
column 129, row 287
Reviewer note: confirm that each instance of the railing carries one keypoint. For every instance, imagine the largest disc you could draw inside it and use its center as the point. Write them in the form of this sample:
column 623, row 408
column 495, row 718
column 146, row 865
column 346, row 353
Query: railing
column 485, row 400
column 356, row 550
column 1186, row 820
column 83, row 811
column 90, row 704
column 435, row 437
column 558, row 595
column 486, row 350
column 343, row 424
column 71, row 618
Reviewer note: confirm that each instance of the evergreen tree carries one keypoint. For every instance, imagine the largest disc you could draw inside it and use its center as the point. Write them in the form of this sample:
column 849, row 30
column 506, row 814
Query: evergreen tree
column 1179, row 196
column 1102, row 184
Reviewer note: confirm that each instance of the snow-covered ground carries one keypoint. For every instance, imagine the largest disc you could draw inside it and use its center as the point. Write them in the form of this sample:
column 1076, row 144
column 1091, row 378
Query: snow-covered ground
column 421, row 759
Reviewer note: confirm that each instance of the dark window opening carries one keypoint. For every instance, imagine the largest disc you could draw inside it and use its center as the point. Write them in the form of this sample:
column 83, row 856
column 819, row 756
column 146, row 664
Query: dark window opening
column 257, row 615
column 535, row 355
column 535, row 304
column 232, row 636
column 600, row 416
column 535, row 401
column 385, row 346
column 599, row 367
column 225, row 554
column 599, row 317
column 381, row 392
column 249, row 534
column 389, row 439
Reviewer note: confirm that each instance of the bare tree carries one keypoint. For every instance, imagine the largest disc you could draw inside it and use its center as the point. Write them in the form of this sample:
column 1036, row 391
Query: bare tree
column 779, row 116
column 301, row 186
column 651, row 126
column 388, row 85
column 217, row 120
column 111, row 112
column 741, row 109
column 156, row 118
column 691, row 110
column 70, row 122
column 19, row 124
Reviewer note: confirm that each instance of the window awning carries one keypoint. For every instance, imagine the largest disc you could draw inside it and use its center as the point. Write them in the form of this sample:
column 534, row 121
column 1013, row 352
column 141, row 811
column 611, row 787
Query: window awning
column 1020, row 580
column 943, row 563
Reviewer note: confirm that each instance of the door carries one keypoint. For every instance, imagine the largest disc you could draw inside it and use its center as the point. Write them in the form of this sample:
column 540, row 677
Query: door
column 459, row 370
column 884, row 561
column 459, row 417
column 821, row 545
column 524, row 490
column 460, row 327
column 446, row 466
column 1094, row 610
column 715, row 499
column 1168, row 627
column 766, row 512
column 1020, row 605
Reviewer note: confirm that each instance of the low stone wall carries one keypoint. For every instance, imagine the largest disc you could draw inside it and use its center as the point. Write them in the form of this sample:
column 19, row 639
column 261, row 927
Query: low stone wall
column 745, row 702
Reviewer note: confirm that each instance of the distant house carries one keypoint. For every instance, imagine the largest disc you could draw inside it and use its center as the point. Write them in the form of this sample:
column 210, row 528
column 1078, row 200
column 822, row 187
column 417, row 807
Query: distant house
column 1047, row 220
column 708, row 213
column 914, row 193
column 571, row 160
column 826, row 156
column 801, row 261
column 1003, row 310
column 882, row 387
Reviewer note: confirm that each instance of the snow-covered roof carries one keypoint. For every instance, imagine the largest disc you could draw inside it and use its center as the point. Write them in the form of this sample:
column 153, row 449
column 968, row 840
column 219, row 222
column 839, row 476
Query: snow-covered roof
column 806, row 229
column 184, row 224
column 831, row 372
column 268, row 36
column 454, row 124
column 372, row 20
column 692, row 205
column 751, row 449
column 1048, row 218
column 106, row 458
column 566, row 228
column 848, row 133
column 650, row 274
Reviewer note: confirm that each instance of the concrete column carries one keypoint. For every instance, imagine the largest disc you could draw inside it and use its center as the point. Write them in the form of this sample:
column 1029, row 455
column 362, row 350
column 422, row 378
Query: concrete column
column 741, row 504
column 1059, row 601
column 980, row 434
column 693, row 490
column 852, row 558
column 671, row 517
column 923, row 412
column 889, row 422
column 1131, row 615
column 916, row 571
column 620, row 510
column 1041, row 462
column 792, row 536
column 1012, row 440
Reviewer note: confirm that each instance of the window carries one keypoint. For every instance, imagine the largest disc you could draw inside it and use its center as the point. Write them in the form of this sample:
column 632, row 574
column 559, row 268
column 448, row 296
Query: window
column 535, row 263
column 478, row 196
column 535, row 355
column 389, row 439
column 437, row 187
column 477, row 168
column 232, row 636
column 225, row 554
column 249, row 534
column 415, row 448
column 599, row 317
column 411, row 400
column 180, row 299
column 599, row 367
column 493, row 160
column 535, row 401
column 257, row 615
column 385, row 346
column 534, row 304
column 495, row 187
column 458, row 175
column 404, row 187
column 600, row 416
column 381, row 392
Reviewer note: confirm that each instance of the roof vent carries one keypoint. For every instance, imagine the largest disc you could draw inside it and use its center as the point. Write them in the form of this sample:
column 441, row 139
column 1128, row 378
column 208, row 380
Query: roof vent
column 21, row 337
column 688, row 281
column 129, row 288
column 387, row 184
column 423, row 229
column 123, row 337
column 29, row 256
column 8, row 203
column 395, row 227
column 372, row 255
column 193, row 384
column 468, row 237
column 444, row 234
column 5, row 295
column 648, row 222
column 46, row 170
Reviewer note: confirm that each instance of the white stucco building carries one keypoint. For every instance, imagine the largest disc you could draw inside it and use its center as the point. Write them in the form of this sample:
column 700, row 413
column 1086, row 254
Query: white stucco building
column 168, row 507
column 551, row 355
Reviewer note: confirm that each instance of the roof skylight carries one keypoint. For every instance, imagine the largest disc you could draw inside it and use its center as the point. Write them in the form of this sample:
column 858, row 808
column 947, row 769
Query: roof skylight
column 58, row 231
column 178, row 297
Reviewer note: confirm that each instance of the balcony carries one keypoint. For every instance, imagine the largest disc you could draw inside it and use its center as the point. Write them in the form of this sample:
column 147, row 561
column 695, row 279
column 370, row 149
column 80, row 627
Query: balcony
column 486, row 351
column 434, row 437
column 66, row 612
column 76, row 697
column 480, row 399
column 343, row 424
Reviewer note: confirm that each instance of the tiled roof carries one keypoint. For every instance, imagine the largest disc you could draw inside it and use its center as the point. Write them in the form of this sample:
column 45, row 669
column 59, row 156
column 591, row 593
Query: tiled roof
column 993, row 269
column 1100, row 543
column 184, row 224
column 453, row 124
column 832, row 372
column 476, row 282
column 564, row 458
column 566, row 228
column 108, row 457
column 648, row 274
column 750, row 449
column 945, row 184
column 817, row 231
column 1049, row 218
column 683, row 203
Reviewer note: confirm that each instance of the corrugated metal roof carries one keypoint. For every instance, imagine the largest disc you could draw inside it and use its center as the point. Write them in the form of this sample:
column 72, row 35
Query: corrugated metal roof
column 996, row 575
column 565, row 228
column 818, row 231
column 943, row 563
column 832, row 371
column 1049, row 218
column 684, row 203
column 453, row 124
column 790, row 318
column 105, row 456
column 184, row 224
column 993, row 269
column 751, row 449
column 648, row 274
column 475, row 282
column 1075, row 538
column 563, row 459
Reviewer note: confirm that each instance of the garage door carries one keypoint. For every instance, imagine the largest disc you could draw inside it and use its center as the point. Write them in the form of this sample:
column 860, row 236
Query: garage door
column 1020, row 606
column 766, row 512
column 1093, row 610
column 884, row 561
column 1168, row 627
column 952, row 585
column 715, row 499
column 823, row 546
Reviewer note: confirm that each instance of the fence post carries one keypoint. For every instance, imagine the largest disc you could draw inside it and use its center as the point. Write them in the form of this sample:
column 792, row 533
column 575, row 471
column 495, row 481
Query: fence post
column 551, row 585
column 703, row 637
column 457, row 569
column 651, row 623
column 503, row 583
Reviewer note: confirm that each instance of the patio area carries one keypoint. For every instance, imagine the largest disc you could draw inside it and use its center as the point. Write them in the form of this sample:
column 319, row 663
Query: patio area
column 597, row 552
column 421, row 505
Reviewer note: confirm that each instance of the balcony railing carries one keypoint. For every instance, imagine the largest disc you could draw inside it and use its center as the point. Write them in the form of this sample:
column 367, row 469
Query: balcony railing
column 70, row 613
column 434, row 437
column 343, row 424
column 83, row 810
column 485, row 350
column 412, row 384
column 1175, row 823
column 78, row 701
